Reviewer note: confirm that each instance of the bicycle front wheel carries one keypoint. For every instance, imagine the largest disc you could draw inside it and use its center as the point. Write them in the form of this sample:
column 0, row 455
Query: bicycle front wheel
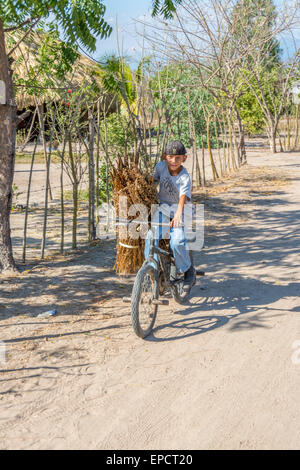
column 143, row 311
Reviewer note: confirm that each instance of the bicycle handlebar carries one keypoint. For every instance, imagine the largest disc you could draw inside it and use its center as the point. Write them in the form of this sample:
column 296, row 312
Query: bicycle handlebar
column 125, row 222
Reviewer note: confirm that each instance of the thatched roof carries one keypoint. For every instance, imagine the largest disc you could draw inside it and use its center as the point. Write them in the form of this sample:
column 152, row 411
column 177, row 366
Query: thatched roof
column 26, row 64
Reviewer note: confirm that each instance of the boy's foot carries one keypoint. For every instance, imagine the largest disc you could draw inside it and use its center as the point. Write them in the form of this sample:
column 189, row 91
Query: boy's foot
column 189, row 278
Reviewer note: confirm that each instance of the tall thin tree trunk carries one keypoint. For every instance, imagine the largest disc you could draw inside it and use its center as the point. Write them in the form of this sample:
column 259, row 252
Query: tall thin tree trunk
column 284, row 138
column 7, row 158
column 231, row 147
column 30, row 130
column 280, row 142
column 297, row 127
column 158, row 140
column 150, row 138
column 198, row 171
column 288, row 130
column 106, row 171
column 203, row 161
column 41, row 117
column 92, row 227
column 75, row 212
column 213, row 166
column 62, row 207
column 272, row 140
column 98, row 163
column 224, row 132
column 62, row 202
column 218, row 147
column 74, row 193
column 27, row 204
column 228, row 148
column 239, row 160
column 48, row 160
column 194, row 150
column 243, row 154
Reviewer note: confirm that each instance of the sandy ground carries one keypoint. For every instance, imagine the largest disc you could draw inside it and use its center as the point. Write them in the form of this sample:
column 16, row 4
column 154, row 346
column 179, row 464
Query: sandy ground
column 219, row 373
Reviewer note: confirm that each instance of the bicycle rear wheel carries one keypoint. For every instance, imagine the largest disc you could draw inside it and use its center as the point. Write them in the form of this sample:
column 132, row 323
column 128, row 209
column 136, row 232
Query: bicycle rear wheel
column 143, row 311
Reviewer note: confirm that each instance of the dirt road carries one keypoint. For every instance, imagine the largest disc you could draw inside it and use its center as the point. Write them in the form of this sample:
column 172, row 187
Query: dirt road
column 219, row 373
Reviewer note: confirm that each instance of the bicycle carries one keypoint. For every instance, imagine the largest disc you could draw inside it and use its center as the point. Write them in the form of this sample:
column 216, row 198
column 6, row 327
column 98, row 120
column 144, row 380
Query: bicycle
column 157, row 275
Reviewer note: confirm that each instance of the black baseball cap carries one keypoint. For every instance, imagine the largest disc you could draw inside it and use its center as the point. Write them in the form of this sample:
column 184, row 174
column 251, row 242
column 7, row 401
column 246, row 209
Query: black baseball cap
column 175, row 147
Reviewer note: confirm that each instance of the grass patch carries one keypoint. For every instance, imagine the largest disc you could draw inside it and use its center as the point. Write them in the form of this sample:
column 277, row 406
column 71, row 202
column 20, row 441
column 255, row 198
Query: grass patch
column 22, row 157
column 83, row 195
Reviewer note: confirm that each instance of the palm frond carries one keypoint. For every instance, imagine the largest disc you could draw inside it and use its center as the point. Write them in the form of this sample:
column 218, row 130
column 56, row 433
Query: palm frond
column 166, row 8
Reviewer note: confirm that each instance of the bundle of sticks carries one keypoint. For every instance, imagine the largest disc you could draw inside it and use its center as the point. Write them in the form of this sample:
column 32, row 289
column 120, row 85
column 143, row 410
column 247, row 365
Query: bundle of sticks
column 138, row 186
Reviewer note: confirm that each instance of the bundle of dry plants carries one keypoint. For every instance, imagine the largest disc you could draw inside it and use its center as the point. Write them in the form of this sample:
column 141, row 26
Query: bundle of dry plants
column 130, row 180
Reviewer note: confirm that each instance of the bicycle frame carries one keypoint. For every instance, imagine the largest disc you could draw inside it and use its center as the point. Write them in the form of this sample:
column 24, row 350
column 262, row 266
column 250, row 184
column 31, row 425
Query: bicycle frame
column 155, row 252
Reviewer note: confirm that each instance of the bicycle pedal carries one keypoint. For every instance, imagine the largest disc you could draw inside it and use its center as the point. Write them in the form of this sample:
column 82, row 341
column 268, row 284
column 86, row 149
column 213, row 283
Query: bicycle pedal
column 200, row 273
column 175, row 281
column 160, row 302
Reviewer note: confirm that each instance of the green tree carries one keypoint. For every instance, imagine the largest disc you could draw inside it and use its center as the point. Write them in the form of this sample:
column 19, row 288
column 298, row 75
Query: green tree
column 249, row 17
column 264, row 78
column 53, row 66
column 126, row 85
column 118, row 79
column 249, row 108
column 177, row 89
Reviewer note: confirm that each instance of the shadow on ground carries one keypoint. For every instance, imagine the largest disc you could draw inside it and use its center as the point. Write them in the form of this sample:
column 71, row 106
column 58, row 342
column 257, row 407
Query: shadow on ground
column 268, row 242
column 270, row 238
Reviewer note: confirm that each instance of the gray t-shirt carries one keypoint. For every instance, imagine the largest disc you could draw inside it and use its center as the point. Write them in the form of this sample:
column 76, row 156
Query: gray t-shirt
column 171, row 187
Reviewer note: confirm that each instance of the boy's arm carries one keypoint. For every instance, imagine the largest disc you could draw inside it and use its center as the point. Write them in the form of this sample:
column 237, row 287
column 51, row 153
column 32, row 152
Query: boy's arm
column 156, row 186
column 156, row 176
column 178, row 215
column 185, row 195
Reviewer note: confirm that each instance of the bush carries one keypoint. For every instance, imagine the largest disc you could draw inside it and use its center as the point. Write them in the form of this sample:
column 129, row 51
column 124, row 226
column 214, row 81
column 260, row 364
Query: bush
column 118, row 131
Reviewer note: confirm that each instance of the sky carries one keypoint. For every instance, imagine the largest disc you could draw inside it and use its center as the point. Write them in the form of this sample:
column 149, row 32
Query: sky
column 126, row 11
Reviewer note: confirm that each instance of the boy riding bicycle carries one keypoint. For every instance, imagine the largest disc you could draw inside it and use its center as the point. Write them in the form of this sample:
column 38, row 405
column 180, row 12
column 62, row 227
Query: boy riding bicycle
column 174, row 193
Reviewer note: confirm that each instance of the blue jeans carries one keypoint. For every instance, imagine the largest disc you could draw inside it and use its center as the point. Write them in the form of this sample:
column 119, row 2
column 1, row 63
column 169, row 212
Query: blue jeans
column 178, row 242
